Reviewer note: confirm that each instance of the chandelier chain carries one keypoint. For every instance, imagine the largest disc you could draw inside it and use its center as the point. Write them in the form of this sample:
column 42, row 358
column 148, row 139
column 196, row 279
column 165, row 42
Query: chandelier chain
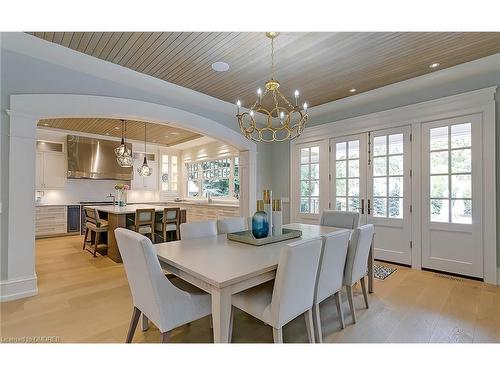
column 272, row 58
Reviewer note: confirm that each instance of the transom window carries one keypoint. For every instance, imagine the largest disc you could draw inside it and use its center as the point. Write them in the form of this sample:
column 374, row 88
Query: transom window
column 309, row 180
column 451, row 174
column 219, row 177
column 388, row 176
column 347, row 176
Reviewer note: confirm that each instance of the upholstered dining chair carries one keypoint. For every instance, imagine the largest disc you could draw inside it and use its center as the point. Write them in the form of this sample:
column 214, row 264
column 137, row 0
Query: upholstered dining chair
column 330, row 275
column 198, row 229
column 144, row 222
column 231, row 225
column 357, row 259
column 168, row 304
column 170, row 222
column 340, row 219
column 292, row 292
column 93, row 224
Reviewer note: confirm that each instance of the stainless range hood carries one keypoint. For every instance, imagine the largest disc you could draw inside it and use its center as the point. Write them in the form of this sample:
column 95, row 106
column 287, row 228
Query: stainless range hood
column 95, row 159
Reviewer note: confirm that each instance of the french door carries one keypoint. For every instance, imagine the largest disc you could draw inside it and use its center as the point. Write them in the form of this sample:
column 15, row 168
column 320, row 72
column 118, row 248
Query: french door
column 451, row 195
column 370, row 174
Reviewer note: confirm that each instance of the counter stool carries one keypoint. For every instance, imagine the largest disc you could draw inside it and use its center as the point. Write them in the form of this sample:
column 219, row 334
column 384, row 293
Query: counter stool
column 144, row 222
column 170, row 222
column 93, row 223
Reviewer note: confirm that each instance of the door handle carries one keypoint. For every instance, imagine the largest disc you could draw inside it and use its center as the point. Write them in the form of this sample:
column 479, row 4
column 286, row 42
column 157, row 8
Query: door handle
column 362, row 206
column 368, row 207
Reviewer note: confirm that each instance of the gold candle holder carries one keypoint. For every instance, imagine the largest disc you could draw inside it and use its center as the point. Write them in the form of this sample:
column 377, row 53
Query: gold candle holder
column 266, row 195
column 260, row 205
column 276, row 204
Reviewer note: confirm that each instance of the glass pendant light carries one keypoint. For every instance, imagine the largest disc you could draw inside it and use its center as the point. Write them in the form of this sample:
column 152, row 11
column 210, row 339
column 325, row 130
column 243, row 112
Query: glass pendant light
column 122, row 152
column 145, row 170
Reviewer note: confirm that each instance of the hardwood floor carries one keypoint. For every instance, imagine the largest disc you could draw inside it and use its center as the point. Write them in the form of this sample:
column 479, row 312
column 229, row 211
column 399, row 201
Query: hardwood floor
column 85, row 299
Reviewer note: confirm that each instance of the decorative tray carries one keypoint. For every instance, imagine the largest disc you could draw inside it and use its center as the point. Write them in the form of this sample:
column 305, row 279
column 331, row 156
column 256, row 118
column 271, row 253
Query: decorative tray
column 248, row 238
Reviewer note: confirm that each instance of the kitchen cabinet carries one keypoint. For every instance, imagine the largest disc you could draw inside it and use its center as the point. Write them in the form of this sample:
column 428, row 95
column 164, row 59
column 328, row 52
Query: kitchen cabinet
column 50, row 220
column 50, row 170
column 145, row 183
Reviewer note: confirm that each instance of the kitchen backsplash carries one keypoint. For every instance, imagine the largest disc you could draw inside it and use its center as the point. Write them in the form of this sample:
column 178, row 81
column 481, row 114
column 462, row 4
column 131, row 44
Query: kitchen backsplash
column 92, row 190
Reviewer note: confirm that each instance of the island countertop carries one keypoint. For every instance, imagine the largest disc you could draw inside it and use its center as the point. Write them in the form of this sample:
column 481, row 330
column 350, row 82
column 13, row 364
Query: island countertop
column 129, row 209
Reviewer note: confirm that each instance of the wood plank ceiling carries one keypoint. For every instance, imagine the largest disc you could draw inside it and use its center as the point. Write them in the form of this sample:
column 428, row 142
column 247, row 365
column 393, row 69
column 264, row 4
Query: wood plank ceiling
column 167, row 135
column 323, row 66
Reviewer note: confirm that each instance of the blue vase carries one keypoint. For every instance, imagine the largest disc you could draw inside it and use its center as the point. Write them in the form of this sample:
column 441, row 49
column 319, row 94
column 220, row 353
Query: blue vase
column 260, row 224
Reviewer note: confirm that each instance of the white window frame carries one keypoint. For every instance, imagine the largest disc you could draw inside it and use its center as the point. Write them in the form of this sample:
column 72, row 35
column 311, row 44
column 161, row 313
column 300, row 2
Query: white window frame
column 200, row 178
column 323, row 180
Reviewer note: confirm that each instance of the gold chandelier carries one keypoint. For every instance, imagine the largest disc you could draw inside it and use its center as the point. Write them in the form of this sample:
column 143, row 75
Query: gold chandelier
column 283, row 121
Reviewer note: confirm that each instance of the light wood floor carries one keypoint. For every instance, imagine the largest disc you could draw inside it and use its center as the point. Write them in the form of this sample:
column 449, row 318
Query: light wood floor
column 82, row 299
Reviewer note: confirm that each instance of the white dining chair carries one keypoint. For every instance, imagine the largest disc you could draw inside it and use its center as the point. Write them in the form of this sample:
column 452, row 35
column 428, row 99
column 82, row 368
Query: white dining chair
column 231, row 225
column 198, row 229
column 291, row 294
column 340, row 219
column 167, row 305
column 356, row 263
column 330, row 275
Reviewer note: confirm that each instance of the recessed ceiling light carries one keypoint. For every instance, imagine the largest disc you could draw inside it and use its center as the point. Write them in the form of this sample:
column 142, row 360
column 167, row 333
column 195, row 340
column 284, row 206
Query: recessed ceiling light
column 174, row 133
column 166, row 136
column 45, row 124
column 434, row 65
column 220, row 66
column 107, row 133
column 117, row 127
column 352, row 90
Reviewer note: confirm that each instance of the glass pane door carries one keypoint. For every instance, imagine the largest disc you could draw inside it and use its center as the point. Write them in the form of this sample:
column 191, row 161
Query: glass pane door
column 389, row 193
column 451, row 195
column 348, row 173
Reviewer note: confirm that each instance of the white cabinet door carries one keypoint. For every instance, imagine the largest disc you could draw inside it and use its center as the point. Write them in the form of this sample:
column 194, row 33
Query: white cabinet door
column 145, row 183
column 54, row 170
column 39, row 170
column 137, row 182
column 452, row 202
column 151, row 182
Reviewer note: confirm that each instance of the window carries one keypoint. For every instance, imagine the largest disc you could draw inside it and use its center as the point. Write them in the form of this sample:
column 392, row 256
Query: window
column 236, row 188
column 388, row 176
column 216, row 177
column 309, row 180
column 168, row 177
column 451, row 174
column 164, row 172
column 347, row 176
column 193, row 180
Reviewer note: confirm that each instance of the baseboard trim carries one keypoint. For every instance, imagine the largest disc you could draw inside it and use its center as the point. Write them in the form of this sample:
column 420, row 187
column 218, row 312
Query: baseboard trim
column 18, row 288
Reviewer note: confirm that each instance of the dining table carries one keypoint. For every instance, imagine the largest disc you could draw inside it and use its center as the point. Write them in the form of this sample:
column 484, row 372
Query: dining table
column 222, row 267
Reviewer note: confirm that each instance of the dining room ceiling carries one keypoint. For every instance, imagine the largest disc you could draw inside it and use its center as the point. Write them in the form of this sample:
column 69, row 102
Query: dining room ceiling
column 166, row 135
column 324, row 66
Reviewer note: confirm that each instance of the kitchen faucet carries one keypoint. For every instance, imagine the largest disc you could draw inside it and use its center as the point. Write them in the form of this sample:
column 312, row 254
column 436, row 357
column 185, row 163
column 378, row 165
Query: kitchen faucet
column 112, row 196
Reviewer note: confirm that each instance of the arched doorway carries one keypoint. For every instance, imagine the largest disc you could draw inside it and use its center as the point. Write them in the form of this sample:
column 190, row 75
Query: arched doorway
column 26, row 110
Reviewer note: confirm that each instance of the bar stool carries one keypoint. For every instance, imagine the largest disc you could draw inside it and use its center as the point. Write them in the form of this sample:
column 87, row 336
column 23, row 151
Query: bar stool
column 144, row 222
column 93, row 223
column 170, row 222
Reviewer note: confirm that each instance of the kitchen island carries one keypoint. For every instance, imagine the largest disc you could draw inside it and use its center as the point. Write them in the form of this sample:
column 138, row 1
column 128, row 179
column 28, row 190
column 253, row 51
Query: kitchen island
column 117, row 218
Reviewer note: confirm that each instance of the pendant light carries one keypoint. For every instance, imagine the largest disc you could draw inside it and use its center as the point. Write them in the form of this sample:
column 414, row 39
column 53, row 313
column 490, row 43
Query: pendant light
column 122, row 152
column 145, row 170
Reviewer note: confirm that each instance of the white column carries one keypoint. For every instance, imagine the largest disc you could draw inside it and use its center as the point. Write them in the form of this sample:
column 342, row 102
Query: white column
column 21, row 278
column 248, row 182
